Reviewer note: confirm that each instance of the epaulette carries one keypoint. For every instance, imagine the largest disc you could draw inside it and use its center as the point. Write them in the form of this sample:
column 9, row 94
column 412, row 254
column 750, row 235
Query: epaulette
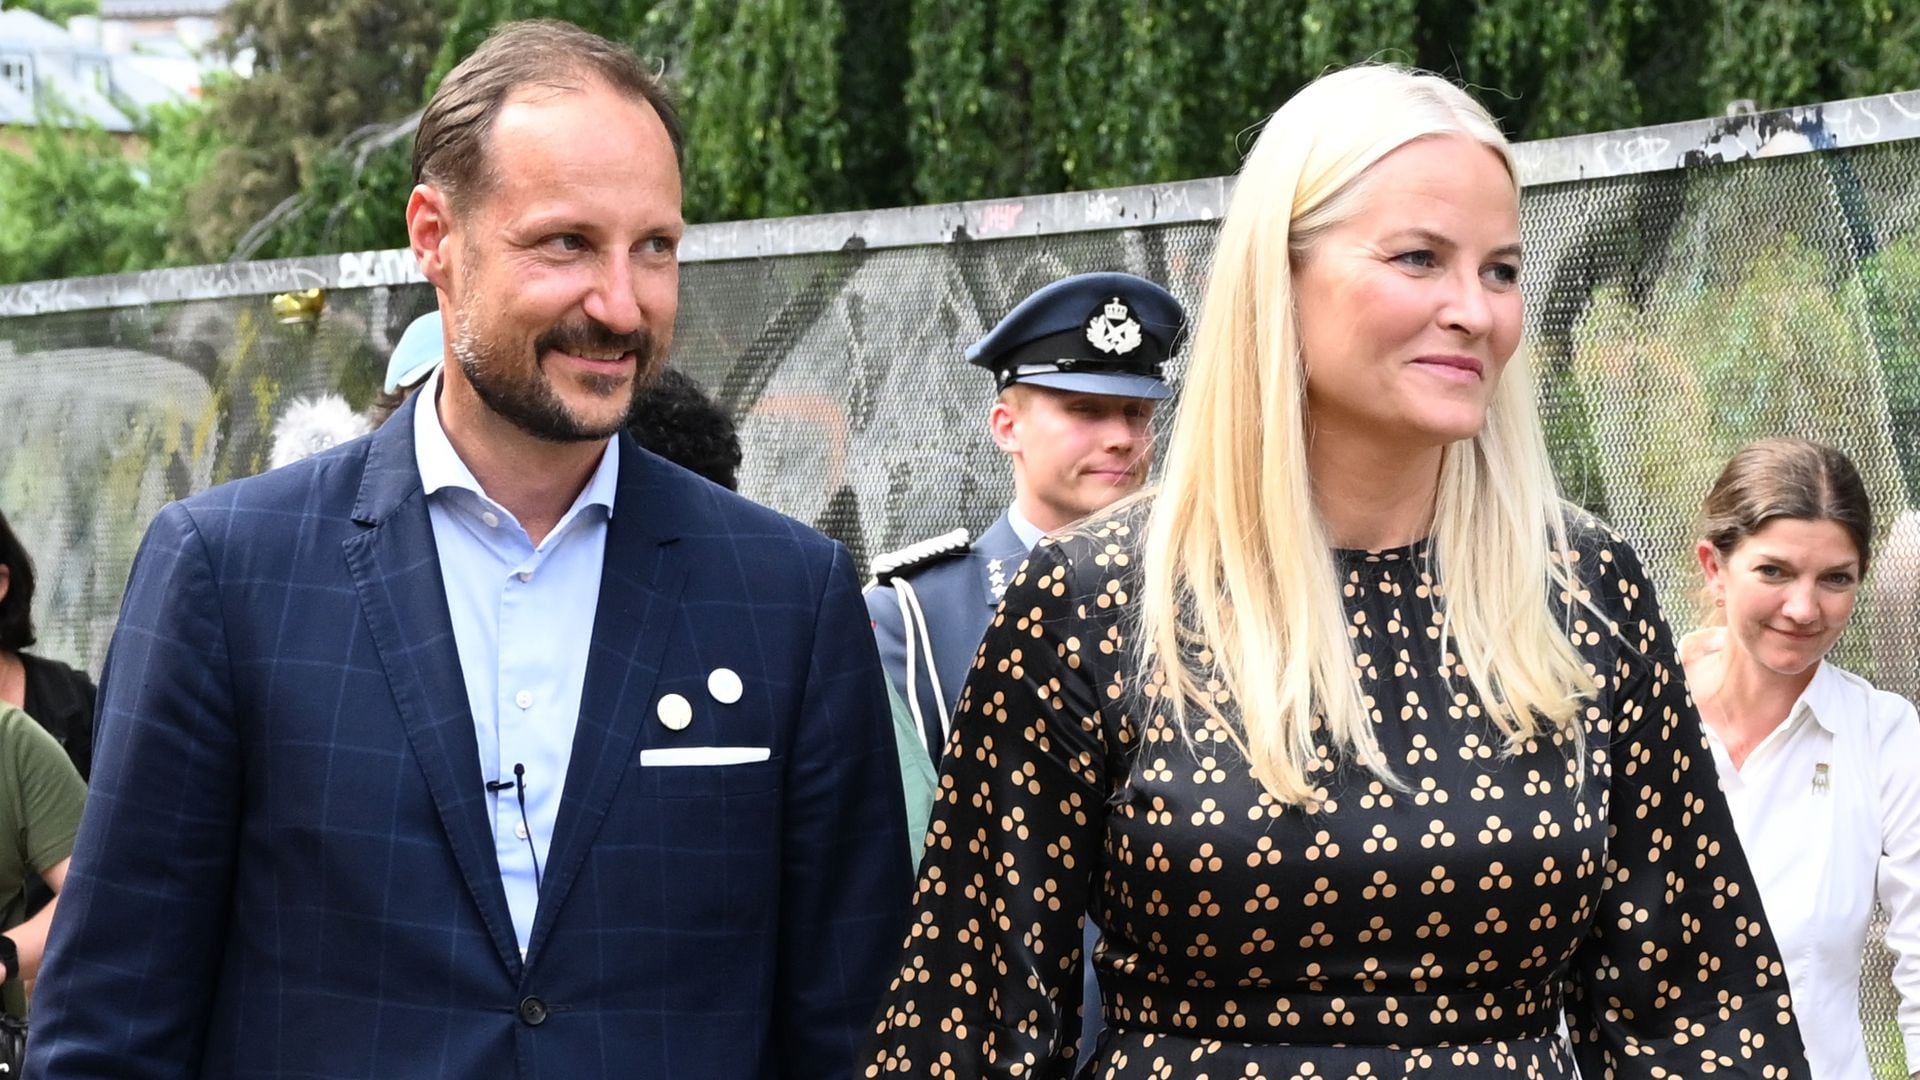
column 914, row 556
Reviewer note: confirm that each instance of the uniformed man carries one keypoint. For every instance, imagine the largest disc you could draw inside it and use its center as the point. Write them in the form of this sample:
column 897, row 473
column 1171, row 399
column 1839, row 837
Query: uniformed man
column 1079, row 366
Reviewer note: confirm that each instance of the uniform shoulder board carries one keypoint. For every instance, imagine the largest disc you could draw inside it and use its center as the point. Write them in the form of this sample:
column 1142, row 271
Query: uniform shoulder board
column 914, row 556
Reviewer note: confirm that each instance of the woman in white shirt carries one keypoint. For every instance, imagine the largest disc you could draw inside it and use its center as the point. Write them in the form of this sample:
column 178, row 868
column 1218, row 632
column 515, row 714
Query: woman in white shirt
column 1818, row 767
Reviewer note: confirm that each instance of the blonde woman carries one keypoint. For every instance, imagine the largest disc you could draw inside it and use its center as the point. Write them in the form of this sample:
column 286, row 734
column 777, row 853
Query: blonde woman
column 1364, row 760
column 1817, row 764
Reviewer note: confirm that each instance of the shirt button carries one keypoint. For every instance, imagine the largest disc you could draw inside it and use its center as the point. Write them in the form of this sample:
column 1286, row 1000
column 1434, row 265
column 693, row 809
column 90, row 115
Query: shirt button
column 524, row 699
column 520, row 831
column 493, row 522
column 532, row 1011
column 524, row 576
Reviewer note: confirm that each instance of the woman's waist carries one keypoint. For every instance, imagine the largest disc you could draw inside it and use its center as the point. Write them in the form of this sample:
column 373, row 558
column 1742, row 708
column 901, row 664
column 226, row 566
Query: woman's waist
column 1303, row 1015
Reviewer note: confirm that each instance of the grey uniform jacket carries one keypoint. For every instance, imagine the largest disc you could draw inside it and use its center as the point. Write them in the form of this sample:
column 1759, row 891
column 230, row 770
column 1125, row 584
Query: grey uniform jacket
column 934, row 612
column 955, row 591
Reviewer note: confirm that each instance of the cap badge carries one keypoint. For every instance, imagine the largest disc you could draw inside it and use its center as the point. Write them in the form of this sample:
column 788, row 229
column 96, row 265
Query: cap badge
column 1113, row 330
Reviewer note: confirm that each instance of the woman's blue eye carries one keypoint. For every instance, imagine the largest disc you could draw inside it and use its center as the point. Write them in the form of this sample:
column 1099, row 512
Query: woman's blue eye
column 1421, row 258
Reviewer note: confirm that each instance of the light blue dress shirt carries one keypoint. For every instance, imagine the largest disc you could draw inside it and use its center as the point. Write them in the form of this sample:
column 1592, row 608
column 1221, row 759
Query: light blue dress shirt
column 523, row 624
column 1029, row 533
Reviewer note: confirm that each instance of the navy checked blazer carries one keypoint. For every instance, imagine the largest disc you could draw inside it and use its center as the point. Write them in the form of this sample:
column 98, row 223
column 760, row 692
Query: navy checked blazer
column 285, row 867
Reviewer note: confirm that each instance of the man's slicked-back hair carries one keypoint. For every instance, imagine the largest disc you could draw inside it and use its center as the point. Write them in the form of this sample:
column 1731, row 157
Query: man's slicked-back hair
column 450, row 147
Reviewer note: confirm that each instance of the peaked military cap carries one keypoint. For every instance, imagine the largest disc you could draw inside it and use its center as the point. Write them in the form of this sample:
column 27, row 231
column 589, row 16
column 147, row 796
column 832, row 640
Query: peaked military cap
column 1103, row 333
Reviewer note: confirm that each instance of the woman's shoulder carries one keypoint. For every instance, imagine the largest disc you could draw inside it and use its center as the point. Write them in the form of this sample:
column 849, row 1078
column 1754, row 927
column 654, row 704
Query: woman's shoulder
column 1885, row 715
column 1106, row 543
column 1603, row 563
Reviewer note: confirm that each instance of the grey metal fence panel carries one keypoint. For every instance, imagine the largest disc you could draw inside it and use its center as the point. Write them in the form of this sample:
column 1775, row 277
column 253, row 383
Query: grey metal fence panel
column 1690, row 287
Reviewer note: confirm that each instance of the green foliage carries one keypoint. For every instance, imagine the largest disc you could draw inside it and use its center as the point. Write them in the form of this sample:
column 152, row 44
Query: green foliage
column 1890, row 291
column 58, row 11
column 1774, row 346
column 1572, row 56
column 321, row 73
column 765, row 131
column 78, row 204
column 804, row 106
column 980, row 99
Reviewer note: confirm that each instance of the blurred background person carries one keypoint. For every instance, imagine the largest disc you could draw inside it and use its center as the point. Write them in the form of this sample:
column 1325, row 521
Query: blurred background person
column 1335, row 733
column 46, row 746
column 58, row 697
column 415, row 356
column 1821, row 770
column 674, row 418
column 41, row 798
column 1079, row 367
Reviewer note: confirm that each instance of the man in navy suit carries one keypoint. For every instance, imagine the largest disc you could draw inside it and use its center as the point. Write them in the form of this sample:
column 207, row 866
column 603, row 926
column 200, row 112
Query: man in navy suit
column 491, row 744
column 1079, row 366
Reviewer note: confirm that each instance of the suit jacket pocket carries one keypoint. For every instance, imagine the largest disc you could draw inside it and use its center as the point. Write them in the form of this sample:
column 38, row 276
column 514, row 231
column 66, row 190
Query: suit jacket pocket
column 683, row 781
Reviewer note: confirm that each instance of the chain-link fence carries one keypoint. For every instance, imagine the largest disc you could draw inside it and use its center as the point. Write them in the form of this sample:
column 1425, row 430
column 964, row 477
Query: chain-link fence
column 1690, row 288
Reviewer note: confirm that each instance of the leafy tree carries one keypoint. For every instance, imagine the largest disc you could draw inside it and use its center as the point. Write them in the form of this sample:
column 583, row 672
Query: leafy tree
column 57, row 10
column 980, row 100
column 1573, row 58
column 78, row 204
column 321, row 73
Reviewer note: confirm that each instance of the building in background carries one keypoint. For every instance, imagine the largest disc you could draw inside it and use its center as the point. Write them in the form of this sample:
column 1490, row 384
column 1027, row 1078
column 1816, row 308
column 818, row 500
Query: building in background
column 109, row 68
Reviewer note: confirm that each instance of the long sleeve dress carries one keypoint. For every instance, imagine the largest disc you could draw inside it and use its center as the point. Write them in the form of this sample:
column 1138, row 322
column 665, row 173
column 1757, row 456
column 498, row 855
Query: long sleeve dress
column 1435, row 929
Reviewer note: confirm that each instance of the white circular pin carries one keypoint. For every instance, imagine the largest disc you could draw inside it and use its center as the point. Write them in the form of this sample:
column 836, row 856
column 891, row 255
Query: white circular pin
column 725, row 686
column 675, row 712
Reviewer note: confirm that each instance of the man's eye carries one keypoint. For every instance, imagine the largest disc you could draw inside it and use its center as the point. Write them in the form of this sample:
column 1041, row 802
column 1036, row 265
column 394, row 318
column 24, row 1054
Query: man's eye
column 569, row 242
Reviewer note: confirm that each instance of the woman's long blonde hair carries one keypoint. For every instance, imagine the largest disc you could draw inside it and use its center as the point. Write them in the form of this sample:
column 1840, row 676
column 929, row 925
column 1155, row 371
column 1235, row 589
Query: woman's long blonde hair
column 1240, row 593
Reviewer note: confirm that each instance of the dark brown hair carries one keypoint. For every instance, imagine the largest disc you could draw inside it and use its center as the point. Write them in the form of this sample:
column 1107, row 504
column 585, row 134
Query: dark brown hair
column 1786, row 478
column 16, row 607
column 450, row 147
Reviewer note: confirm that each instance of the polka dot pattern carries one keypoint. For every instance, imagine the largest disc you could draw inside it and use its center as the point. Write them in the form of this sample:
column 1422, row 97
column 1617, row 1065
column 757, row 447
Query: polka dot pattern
column 1435, row 927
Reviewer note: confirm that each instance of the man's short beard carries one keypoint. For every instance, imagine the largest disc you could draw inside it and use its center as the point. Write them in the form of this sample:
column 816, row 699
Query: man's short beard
column 527, row 401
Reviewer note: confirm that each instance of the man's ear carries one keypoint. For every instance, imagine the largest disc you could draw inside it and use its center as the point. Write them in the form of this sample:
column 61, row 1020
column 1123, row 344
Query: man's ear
column 6, row 579
column 430, row 229
column 1000, row 424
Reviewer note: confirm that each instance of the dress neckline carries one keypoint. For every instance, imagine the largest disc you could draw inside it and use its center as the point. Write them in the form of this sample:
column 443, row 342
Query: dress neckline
column 1349, row 558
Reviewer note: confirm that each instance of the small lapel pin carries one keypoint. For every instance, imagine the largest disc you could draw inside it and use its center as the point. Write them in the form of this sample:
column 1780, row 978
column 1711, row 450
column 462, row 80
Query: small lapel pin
column 675, row 712
column 1820, row 783
column 724, row 685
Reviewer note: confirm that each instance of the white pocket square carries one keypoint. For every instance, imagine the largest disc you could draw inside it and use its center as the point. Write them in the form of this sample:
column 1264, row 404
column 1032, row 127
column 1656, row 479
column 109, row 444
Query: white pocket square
column 705, row 755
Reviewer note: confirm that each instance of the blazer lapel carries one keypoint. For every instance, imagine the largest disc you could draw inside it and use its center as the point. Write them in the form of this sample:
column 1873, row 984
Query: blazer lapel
column 640, row 584
column 396, row 570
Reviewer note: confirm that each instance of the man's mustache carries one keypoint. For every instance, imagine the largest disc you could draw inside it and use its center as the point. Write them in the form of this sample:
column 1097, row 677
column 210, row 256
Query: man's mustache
column 589, row 337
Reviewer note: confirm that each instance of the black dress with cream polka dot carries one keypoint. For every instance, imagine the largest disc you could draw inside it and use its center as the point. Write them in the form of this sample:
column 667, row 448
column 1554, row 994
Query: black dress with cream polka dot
column 1436, row 928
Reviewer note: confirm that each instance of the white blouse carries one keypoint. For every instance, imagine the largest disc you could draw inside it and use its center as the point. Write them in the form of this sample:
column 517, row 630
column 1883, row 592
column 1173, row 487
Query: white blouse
column 1828, row 811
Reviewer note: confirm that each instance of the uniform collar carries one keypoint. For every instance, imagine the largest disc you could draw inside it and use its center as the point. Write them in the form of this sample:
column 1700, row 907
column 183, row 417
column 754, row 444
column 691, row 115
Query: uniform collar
column 441, row 467
column 1029, row 533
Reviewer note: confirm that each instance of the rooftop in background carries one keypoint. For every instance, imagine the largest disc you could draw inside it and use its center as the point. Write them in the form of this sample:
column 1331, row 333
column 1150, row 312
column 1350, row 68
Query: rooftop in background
column 162, row 9
column 108, row 68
